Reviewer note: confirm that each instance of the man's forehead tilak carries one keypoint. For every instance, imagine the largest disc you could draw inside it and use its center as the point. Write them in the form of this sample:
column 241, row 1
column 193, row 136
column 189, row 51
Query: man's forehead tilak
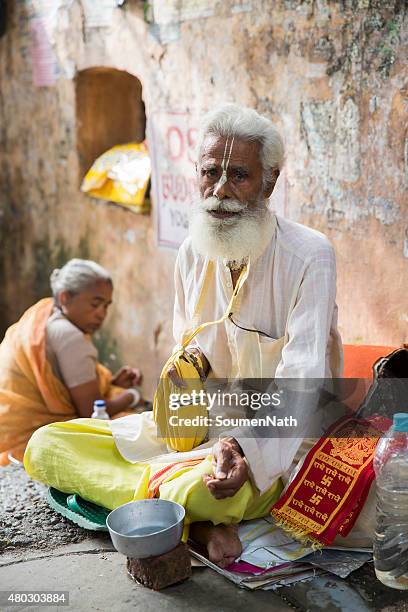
column 224, row 165
column 215, row 149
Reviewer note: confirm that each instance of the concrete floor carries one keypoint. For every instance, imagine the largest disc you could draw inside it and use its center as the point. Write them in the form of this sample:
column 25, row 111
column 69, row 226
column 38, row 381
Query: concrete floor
column 39, row 550
column 99, row 581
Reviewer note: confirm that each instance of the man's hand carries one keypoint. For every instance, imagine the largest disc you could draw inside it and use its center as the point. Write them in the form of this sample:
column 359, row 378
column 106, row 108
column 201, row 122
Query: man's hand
column 230, row 469
column 127, row 377
column 175, row 378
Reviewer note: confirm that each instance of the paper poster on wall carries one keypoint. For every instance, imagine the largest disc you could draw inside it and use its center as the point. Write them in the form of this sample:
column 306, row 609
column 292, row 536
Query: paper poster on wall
column 172, row 143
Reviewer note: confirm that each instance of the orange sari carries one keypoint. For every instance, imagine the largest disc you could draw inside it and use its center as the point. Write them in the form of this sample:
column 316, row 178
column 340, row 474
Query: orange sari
column 30, row 394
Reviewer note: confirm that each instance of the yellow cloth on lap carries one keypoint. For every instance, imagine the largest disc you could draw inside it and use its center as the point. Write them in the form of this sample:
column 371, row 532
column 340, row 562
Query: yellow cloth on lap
column 80, row 456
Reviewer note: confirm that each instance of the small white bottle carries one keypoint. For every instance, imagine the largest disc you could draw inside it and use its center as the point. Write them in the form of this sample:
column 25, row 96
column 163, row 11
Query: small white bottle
column 99, row 410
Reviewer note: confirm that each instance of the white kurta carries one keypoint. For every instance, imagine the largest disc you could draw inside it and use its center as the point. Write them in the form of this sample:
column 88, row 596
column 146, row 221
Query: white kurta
column 290, row 293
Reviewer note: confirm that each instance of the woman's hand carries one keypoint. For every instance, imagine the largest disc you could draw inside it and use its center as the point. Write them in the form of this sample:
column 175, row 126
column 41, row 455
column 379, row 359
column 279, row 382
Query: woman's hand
column 127, row 377
column 230, row 469
column 83, row 397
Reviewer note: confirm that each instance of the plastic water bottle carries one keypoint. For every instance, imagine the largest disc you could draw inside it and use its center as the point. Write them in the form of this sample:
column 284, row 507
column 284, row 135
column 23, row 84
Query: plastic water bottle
column 391, row 537
column 99, row 410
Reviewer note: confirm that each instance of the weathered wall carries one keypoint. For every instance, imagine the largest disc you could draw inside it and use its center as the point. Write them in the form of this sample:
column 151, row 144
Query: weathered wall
column 332, row 75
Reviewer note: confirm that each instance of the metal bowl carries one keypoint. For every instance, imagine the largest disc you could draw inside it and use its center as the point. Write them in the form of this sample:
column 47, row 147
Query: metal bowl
column 146, row 528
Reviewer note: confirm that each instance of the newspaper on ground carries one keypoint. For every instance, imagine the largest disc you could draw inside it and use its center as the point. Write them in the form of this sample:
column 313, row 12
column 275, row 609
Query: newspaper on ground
column 272, row 558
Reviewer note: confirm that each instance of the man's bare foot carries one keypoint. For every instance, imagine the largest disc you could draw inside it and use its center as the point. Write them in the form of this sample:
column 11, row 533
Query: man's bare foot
column 222, row 541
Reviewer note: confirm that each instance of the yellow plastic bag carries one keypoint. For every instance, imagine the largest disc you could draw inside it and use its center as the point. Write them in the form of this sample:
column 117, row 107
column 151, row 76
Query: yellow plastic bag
column 171, row 420
column 121, row 175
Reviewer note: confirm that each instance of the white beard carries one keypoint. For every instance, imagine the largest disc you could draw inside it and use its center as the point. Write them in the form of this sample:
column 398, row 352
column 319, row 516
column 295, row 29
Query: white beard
column 234, row 239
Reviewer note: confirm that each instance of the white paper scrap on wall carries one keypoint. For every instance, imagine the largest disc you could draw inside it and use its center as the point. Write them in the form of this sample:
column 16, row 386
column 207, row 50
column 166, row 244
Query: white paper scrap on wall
column 173, row 11
column 241, row 6
column 99, row 14
column 164, row 12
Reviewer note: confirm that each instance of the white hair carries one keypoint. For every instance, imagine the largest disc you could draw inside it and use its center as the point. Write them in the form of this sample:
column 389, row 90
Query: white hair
column 232, row 120
column 76, row 276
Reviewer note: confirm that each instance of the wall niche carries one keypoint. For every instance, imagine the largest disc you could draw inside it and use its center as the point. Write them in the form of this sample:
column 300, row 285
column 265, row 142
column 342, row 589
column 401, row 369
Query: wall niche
column 109, row 111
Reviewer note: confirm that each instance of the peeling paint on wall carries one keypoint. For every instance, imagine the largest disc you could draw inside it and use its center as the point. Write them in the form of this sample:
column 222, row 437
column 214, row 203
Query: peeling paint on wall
column 406, row 243
column 347, row 134
column 406, row 162
column 323, row 123
column 331, row 168
column 385, row 211
column 130, row 236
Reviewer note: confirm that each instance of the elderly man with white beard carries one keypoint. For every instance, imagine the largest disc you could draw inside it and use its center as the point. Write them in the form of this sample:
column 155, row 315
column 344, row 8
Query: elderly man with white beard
column 284, row 325
column 288, row 298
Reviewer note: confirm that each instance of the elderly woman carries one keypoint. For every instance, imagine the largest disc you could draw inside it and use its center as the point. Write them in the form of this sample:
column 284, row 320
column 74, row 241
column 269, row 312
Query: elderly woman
column 49, row 370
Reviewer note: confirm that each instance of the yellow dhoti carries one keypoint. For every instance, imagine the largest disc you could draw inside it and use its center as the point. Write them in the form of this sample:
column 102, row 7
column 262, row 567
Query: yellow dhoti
column 80, row 456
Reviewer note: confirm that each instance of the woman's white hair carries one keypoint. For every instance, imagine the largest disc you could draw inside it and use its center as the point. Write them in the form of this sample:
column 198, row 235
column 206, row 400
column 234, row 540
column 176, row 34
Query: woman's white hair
column 76, row 276
column 233, row 120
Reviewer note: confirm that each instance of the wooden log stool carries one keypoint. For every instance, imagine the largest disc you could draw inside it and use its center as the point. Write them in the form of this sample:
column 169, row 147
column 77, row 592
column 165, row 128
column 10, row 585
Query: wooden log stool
column 159, row 572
